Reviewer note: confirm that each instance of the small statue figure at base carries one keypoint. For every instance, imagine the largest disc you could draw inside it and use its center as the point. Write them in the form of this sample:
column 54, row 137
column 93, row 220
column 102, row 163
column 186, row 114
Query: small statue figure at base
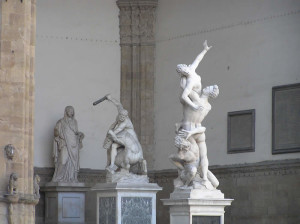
column 13, row 184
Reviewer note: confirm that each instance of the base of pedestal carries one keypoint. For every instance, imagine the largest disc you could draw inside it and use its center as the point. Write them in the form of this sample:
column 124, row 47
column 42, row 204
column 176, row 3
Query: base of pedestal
column 65, row 203
column 195, row 206
column 119, row 203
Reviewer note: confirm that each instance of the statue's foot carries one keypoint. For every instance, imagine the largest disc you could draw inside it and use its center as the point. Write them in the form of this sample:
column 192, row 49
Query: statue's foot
column 207, row 184
column 111, row 169
column 178, row 183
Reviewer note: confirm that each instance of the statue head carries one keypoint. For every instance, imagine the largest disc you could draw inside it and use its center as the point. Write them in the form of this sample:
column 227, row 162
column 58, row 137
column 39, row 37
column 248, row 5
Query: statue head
column 211, row 91
column 69, row 112
column 122, row 115
column 182, row 143
column 10, row 151
column 183, row 69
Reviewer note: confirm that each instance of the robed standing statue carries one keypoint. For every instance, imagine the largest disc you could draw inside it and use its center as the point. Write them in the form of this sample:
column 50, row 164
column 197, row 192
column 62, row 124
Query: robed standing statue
column 67, row 143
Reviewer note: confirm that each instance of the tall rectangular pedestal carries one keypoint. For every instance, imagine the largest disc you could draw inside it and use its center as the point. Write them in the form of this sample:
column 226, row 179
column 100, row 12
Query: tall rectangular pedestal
column 65, row 203
column 119, row 203
column 197, row 207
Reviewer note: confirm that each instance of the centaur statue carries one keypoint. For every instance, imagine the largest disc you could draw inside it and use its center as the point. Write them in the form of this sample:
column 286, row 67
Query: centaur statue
column 121, row 142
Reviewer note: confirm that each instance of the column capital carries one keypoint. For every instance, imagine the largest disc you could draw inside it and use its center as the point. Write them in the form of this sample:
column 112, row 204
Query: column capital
column 137, row 20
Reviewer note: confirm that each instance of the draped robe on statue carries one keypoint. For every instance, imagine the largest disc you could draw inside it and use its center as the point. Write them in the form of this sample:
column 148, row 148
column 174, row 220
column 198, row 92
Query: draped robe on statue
column 66, row 150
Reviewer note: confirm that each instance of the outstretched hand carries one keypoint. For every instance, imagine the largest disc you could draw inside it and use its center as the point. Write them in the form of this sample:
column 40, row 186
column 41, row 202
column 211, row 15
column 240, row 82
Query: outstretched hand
column 206, row 47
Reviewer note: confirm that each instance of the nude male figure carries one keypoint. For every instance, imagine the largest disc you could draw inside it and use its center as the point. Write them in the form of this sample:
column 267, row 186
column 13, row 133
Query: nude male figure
column 186, row 160
column 197, row 134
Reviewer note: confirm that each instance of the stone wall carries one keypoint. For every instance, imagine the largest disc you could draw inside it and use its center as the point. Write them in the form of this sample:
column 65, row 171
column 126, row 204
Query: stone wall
column 17, row 60
column 263, row 193
column 77, row 62
column 247, row 59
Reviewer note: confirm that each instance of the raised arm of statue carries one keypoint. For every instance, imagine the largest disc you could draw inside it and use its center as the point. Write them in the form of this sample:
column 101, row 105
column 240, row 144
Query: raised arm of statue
column 199, row 58
column 115, row 102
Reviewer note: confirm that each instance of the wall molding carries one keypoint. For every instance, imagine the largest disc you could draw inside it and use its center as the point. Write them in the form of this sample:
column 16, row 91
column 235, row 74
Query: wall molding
column 266, row 168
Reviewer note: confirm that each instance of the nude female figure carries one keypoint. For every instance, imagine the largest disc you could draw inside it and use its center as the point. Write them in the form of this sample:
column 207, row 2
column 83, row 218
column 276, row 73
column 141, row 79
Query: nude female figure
column 190, row 81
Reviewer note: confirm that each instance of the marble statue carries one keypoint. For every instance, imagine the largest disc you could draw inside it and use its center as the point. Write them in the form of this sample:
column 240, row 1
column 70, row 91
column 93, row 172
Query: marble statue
column 67, row 143
column 13, row 184
column 191, row 159
column 186, row 160
column 36, row 186
column 121, row 142
column 10, row 151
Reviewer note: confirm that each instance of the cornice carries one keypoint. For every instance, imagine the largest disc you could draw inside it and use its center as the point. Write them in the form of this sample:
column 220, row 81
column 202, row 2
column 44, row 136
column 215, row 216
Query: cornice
column 266, row 168
column 131, row 3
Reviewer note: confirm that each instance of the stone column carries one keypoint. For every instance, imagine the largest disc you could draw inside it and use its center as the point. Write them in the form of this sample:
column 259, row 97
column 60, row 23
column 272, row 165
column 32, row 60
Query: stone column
column 17, row 54
column 137, row 40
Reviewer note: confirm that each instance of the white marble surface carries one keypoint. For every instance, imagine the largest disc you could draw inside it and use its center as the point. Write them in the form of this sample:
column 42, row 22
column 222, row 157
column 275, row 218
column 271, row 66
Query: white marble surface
column 191, row 156
column 186, row 203
column 196, row 194
column 182, row 210
column 65, row 202
column 143, row 194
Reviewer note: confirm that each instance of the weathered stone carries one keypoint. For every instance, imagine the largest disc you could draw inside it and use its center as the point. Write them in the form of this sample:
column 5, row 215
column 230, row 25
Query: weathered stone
column 137, row 19
column 17, row 86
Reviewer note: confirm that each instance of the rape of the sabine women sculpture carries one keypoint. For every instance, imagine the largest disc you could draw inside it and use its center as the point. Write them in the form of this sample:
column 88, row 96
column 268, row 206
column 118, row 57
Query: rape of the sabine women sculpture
column 123, row 147
column 66, row 146
column 191, row 159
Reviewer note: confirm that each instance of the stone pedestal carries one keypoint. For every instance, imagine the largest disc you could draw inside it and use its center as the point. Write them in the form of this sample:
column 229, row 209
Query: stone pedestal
column 130, row 203
column 195, row 206
column 65, row 203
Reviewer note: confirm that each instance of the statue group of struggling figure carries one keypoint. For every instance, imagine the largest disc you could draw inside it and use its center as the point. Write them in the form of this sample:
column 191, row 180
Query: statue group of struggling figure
column 122, row 144
column 191, row 158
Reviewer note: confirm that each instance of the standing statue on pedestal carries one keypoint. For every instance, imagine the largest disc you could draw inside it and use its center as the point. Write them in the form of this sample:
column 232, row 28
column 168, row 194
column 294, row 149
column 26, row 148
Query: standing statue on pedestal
column 121, row 142
column 191, row 161
column 67, row 143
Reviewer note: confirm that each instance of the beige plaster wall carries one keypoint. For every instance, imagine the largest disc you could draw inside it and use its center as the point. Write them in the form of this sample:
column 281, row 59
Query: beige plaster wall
column 255, row 47
column 77, row 62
